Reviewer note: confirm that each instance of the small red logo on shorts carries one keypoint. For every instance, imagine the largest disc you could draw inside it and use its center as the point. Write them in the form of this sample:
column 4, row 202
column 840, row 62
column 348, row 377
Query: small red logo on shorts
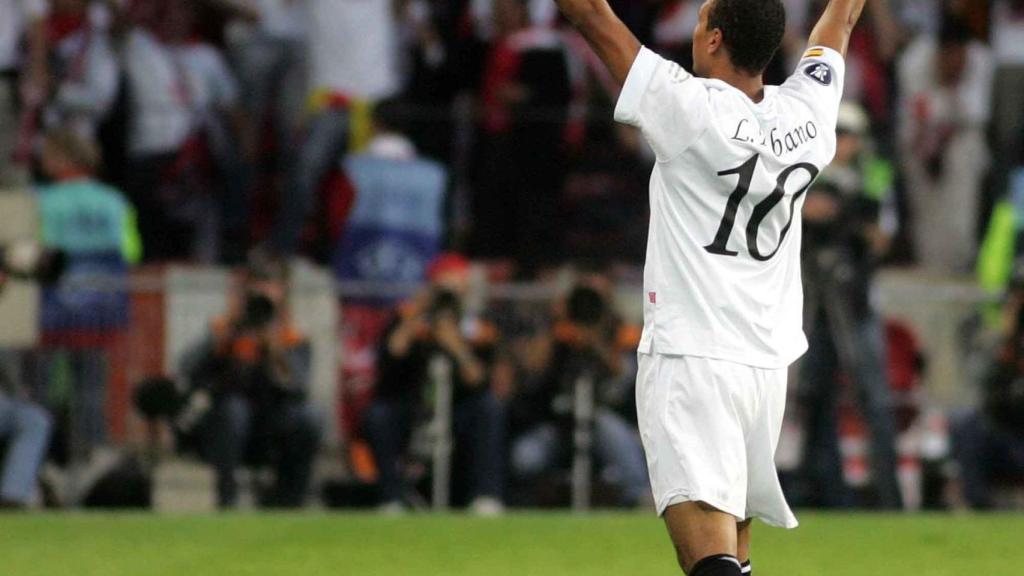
column 653, row 297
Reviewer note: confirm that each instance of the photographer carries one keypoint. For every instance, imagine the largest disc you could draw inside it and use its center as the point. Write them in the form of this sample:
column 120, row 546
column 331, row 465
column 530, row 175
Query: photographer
column 430, row 326
column 254, row 369
column 844, row 237
column 988, row 442
column 24, row 437
column 588, row 341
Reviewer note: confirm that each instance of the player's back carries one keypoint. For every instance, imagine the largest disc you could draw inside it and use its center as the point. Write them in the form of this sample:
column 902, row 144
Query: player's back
column 722, row 278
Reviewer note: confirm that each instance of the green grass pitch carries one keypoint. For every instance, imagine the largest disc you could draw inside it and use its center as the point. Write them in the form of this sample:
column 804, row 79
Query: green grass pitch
column 532, row 544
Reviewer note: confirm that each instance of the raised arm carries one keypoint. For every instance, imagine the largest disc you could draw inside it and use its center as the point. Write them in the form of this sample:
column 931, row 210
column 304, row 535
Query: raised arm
column 836, row 24
column 605, row 33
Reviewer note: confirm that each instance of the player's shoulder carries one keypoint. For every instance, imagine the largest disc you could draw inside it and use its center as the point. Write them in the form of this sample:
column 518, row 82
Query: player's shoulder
column 722, row 98
column 820, row 69
column 815, row 86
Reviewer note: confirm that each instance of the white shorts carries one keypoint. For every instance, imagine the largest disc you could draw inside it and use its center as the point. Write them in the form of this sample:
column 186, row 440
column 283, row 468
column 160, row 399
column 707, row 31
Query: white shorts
column 710, row 429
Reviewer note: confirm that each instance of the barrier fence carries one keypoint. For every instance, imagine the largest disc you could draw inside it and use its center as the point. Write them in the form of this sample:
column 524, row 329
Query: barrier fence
column 171, row 308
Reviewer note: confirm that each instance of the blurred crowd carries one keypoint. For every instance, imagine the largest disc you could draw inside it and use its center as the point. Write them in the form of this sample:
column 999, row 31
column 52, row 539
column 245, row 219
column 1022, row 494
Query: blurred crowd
column 385, row 139
column 227, row 123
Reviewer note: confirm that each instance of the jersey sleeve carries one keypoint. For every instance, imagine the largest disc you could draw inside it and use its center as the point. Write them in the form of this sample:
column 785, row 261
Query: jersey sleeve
column 667, row 104
column 818, row 82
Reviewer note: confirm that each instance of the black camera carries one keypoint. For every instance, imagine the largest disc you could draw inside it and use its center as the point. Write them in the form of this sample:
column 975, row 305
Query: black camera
column 258, row 313
column 445, row 303
column 586, row 307
column 29, row 260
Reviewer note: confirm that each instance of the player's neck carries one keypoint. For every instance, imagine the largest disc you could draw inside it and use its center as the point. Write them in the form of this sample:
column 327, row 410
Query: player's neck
column 752, row 86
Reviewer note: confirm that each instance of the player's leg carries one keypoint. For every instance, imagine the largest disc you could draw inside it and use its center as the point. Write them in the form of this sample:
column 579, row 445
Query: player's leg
column 696, row 455
column 704, row 539
column 743, row 545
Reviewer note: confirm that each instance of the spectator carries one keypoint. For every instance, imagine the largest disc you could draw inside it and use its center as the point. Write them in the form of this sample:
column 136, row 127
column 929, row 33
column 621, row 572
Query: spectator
column 673, row 31
column 218, row 124
column 434, row 325
column 988, row 442
column 270, row 53
column 438, row 66
column 1007, row 31
column 587, row 342
column 161, row 122
column 920, row 16
column 396, row 225
column 24, row 437
column 353, row 63
column 945, row 106
column 254, row 366
column 94, row 226
column 268, row 45
column 526, row 95
column 24, row 80
column 84, row 69
column 844, row 239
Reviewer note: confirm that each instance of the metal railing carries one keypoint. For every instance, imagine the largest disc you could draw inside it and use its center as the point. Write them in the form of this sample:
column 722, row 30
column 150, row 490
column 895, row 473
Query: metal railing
column 938, row 311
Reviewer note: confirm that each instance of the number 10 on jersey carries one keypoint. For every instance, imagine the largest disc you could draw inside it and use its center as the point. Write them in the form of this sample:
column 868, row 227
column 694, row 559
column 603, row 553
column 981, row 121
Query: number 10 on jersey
column 761, row 210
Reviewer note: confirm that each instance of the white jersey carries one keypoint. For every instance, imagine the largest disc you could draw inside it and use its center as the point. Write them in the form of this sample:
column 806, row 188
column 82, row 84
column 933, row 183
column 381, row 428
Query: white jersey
column 722, row 278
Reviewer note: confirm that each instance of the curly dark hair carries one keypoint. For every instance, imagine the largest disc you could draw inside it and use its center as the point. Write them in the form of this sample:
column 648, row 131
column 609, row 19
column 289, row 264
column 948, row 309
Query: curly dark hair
column 752, row 30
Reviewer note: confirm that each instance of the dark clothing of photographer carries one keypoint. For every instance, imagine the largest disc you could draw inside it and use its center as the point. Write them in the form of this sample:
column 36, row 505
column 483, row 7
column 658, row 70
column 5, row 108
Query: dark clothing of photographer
column 547, row 397
column 402, row 377
column 988, row 442
column 844, row 336
column 255, row 373
column 836, row 251
column 403, row 396
column 590, row 344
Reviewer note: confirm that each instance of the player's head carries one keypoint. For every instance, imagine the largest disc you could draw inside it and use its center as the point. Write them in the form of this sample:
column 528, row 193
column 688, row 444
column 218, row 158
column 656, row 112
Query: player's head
column 746, row 33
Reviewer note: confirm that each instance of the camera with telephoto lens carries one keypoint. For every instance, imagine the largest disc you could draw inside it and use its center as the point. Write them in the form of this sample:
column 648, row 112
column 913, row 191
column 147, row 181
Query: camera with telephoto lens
column 259, row 311
column 586, row 307
column 29, row 260
column 444, row 303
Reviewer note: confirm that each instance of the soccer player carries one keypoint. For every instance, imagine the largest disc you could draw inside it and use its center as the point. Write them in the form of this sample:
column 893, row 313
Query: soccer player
column 723, row 300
